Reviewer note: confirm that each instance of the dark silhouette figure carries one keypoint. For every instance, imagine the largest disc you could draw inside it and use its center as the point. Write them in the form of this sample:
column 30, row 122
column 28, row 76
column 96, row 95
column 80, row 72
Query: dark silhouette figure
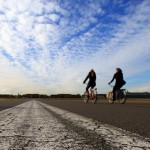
column 92, row 80
column 118, row 76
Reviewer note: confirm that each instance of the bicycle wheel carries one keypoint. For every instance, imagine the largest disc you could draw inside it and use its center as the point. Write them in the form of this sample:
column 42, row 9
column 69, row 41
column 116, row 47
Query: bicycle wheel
column 94, row 99
column 109, row 96
column 122, row 96
column 86, row 99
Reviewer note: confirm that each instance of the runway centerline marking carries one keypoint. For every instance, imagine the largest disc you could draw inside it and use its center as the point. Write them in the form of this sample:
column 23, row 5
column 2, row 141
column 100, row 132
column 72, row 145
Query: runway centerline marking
column 35, row 125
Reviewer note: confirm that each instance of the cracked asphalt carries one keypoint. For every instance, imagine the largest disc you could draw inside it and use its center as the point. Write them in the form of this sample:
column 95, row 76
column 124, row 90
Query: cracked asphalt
column 132, row 116
column 32, row 126
column 38, row 126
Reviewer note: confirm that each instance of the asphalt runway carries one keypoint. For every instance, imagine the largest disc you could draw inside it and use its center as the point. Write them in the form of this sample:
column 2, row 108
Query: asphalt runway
column 132, row 116
column 38, row 124
column 8, row 103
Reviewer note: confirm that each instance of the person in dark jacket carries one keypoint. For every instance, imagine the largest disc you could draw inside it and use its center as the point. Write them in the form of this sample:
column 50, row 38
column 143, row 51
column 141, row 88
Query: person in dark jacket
column 92, row 80
column 118, row 76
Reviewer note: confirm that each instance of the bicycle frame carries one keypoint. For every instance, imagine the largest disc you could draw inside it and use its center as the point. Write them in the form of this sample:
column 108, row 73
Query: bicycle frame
column 92, row 95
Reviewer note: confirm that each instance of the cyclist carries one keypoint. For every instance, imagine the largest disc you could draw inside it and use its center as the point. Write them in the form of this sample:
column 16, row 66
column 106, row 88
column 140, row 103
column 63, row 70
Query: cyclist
column 92, row 80
column 118, row 76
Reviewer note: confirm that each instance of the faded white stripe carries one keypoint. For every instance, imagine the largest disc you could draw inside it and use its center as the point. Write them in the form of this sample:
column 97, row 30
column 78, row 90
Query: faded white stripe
column 116, row 137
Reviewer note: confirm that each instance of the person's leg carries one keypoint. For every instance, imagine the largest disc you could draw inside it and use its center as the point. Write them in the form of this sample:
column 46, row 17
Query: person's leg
column 92, row 86
column 114, row 92
column 87, row 88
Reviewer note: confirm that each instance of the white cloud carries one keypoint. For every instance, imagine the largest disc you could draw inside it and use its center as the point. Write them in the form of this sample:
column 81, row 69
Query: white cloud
column 49, row 47
column 54, row 17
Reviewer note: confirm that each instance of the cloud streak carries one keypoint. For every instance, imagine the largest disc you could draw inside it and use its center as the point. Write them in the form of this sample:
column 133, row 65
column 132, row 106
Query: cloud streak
column 49, row 47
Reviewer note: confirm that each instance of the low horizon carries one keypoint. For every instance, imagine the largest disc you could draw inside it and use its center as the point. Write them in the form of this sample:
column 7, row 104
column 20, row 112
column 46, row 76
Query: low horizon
column 69, row 93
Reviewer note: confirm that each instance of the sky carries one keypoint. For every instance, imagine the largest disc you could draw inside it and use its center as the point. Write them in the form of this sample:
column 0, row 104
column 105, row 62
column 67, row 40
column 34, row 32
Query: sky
column 49, row 46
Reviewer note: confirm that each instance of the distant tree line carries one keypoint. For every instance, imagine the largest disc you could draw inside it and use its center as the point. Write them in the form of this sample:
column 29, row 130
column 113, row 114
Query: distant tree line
column 129, row 95
column 40, row 96
column 66, row 96
column 138, row 95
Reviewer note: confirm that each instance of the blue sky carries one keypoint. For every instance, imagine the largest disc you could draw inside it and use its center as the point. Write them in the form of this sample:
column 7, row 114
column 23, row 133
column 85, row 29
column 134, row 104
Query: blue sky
column 49, row 46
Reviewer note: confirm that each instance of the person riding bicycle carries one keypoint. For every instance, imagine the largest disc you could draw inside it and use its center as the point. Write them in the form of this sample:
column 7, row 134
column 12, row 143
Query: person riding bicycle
column 118, row 76
column 92, row 80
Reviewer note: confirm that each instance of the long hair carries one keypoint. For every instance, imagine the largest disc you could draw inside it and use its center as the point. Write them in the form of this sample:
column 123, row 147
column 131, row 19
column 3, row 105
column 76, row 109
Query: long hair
column 119, row 70
column 92, row 72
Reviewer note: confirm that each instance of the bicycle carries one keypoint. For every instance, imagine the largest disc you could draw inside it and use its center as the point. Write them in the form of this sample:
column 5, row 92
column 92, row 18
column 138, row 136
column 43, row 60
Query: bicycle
column 120, row 96
column 91, row 96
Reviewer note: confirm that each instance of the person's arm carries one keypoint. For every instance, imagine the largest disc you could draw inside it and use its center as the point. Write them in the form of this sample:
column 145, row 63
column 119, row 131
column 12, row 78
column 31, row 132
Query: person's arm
column 86, row 78
column 112, row 79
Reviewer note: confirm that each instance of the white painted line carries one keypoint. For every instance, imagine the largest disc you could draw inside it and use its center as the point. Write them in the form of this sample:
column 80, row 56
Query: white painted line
column 115, row 137
column 31, row 126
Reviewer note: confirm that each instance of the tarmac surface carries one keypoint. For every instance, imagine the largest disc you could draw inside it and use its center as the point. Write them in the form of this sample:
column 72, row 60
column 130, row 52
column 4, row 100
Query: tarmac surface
column 132, row 116
column 8, row 103
column 72, row 124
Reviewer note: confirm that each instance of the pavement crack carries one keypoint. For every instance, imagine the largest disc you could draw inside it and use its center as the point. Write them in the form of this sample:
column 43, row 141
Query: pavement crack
column 19, row 139
column 89, row 137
